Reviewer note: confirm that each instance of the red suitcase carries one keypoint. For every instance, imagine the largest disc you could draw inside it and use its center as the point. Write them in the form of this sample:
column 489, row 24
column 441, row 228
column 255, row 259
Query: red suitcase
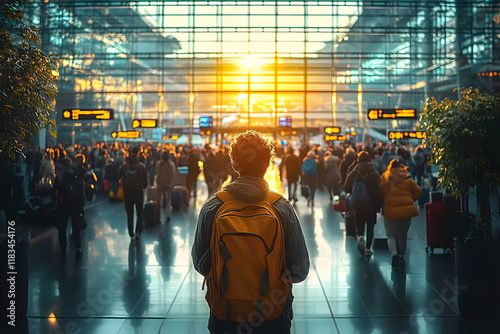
column 438, row 225
column 340, row 206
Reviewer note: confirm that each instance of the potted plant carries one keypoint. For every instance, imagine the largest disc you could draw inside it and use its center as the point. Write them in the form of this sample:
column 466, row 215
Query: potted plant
column 464, row 136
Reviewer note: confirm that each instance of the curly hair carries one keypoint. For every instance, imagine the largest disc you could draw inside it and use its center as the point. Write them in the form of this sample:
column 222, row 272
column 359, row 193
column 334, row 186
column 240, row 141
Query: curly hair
column 252, row 152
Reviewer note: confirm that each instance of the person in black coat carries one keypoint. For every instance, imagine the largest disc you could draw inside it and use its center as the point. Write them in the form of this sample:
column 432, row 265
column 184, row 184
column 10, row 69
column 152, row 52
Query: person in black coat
column 210, row 170
column 292, row 165
column 349, row 158
column 134, row 179
column 365, row 172
column 193, row 170
column 70, row 194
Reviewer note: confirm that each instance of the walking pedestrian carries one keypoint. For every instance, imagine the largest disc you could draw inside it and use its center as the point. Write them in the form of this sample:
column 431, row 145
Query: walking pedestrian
column 165, row 173
column 292, row 166
column 250, row 248
column 400, row 192
column 134, row 179
column 310, row 176
column 70, row 195
column 366, row 199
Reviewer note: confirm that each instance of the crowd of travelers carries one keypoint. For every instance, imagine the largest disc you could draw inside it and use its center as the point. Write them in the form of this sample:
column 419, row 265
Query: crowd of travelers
column 304, row 167
column 384, row 178
column 371, row 179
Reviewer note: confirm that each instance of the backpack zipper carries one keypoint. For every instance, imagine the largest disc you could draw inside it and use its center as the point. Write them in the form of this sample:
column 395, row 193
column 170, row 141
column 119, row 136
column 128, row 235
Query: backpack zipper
column 243, row 208
column 247, row 234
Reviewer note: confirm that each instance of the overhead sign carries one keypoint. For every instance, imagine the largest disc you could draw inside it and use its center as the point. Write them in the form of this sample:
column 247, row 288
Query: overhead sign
column 144, row 123
column 87, row 114
column 288, row 132
column 335, row 137
column 126, row 134
column 406, row 135
column 488, row 74
column 375, row 114
column 206, row 122
column 285, row 122
column 332, row 129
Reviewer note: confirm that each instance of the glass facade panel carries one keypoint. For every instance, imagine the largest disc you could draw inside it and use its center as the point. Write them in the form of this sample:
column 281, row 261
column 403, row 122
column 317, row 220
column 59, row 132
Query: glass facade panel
column 320, row 61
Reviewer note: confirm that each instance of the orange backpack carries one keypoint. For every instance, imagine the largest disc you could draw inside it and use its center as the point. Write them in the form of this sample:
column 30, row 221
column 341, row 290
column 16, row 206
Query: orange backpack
column 248, row 280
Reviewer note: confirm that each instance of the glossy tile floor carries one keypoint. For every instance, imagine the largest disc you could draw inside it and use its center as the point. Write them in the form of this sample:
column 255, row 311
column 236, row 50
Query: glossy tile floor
column 119, row 287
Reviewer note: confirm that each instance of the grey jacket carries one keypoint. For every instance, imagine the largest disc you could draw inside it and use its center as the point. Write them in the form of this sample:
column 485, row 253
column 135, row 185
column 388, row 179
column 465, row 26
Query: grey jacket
column 252, row 189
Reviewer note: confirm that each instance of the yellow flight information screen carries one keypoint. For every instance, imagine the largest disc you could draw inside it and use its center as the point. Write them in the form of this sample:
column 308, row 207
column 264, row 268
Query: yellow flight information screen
column 126, row 134
column 144, row 123
column 335, row 137
column 375, row 114
column 394, row 135
column 87, row 114
column 332, row 129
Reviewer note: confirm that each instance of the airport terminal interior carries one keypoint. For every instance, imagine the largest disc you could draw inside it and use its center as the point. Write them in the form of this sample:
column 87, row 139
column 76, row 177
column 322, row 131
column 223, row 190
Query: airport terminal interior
column 152, row 287
column 204, row 71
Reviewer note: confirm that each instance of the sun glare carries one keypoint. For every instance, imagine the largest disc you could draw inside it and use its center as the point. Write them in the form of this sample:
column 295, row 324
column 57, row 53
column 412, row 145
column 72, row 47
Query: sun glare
column 251, row 61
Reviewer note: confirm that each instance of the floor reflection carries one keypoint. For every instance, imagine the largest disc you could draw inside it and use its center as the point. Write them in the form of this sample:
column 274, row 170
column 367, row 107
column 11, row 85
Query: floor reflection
column 136, row 294
column 151, row 286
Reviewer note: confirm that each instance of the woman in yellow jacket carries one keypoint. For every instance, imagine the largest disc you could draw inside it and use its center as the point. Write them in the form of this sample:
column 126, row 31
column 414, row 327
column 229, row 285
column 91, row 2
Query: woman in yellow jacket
column 400, row 193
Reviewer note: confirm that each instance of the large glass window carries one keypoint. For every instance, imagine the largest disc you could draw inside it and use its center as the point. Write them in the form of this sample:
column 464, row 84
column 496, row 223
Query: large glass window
column 248, row 62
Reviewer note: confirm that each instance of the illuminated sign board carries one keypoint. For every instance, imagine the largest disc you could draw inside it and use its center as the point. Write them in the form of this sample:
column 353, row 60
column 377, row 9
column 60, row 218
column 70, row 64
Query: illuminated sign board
column 206, row 122
column 126, row 134
column 335, row 137
column 406, row 135
column 288, row 133
column 87, row 114
column 144, row 123
column 285, row 122
column 205, row 132
column 375, row 114
column 332, row 129
column 488, row 74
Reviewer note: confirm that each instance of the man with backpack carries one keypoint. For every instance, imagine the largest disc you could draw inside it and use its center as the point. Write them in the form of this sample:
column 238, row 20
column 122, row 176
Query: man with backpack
column 250, row 248
column 366, row 199
column 134, row 179
column 70, row 196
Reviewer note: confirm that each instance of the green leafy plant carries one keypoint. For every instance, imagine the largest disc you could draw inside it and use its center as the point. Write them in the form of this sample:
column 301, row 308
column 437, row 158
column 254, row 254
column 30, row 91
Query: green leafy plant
column 27, row 81
column 464, row 136
column 465, row 139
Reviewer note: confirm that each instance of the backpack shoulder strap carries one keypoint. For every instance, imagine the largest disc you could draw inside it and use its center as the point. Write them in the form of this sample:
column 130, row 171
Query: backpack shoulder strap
column 224, row 196
column 272, row 197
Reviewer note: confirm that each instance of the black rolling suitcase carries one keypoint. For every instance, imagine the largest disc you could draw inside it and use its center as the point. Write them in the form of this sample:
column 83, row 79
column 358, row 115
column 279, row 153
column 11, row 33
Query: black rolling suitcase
column 350, row 223
column 151, row 213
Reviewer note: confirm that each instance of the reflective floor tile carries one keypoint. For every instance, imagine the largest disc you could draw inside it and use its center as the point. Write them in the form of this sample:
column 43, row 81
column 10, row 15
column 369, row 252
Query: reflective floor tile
column 152, row 286
column 75, row 325
column 185, row 326
column 403, row 325
column 313, row 325
column 140, row 326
